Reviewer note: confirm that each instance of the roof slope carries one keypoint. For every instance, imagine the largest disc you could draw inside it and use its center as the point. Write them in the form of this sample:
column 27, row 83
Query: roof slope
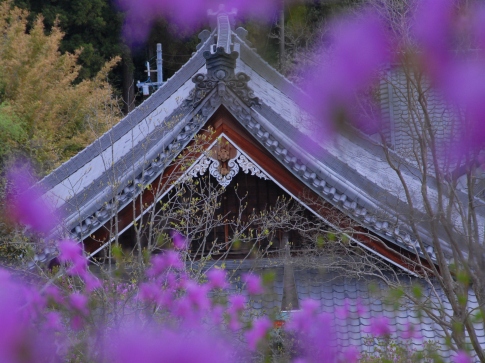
column 352, row 174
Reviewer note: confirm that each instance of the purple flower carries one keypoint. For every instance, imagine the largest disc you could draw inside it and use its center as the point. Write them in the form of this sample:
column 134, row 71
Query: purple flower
column 315, row 334
column 188, row 15
column 149, row 292
column 379, row 327
column 183, row 308
column 217, row 315
column 433, row 33
column 360, row 48
column 77, row 323
column 462, row 357
column 258, row 331
column 351, row 355
column 179, row 241
column 304, row 319
column 26, row 205
column 253, row 284
column 53, row 321
column 91, row 283
column 69, row 250
column 54, row 293
column 164, row 262
column 344, row 311
column 410, row 332
column 197, row 294
column 178, row 345
column 455, row 73
column 20, row 340
column 79, row 302
column 238, row 302
column 172, row 260
column 217, row 279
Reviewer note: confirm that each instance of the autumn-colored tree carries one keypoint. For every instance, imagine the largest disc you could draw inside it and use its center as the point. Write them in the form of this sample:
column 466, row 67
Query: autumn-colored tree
column 44, row 114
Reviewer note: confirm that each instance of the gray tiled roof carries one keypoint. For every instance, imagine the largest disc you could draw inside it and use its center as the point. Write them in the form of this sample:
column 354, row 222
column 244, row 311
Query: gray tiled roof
column 333, row 291
column 352, row 174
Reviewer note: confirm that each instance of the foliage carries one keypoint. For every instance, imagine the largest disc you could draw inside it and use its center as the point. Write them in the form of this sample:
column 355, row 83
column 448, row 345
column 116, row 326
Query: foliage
column 91, row 25
column 386, row 350
column 48, row 117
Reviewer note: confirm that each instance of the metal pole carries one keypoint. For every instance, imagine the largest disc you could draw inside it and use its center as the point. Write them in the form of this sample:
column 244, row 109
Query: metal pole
column 159, row 65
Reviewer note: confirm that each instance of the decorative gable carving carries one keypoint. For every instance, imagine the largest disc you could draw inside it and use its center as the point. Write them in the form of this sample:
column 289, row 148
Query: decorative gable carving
column 220, row 73
column 224, row 161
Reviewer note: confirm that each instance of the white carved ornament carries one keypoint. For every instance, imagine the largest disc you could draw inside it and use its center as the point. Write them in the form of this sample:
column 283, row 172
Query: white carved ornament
column 248, row 166
column 224, row 180
column 240, row 161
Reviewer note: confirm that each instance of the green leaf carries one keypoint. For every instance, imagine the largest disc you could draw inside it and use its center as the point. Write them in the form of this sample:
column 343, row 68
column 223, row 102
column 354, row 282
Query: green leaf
column 417, row 291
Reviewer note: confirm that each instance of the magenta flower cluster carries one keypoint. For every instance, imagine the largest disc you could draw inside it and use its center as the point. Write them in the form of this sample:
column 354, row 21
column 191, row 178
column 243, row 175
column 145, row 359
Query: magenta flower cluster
column 26, row 205
column 448, row 51
column 40, row 323
column 187, row 14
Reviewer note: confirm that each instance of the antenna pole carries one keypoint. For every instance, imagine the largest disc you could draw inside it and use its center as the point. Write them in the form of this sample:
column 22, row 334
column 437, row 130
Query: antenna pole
column 159, row 65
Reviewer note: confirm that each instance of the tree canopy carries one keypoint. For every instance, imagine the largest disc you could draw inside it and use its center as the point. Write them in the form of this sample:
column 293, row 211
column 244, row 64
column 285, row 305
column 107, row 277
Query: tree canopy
column 44, row 114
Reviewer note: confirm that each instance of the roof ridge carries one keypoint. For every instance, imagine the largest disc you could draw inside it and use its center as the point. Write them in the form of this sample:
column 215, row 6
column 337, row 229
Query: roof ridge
column 275, row 73
column 129, row 121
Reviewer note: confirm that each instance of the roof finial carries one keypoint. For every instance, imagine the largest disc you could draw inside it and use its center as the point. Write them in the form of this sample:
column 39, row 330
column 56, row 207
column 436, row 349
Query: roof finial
column 225, row 20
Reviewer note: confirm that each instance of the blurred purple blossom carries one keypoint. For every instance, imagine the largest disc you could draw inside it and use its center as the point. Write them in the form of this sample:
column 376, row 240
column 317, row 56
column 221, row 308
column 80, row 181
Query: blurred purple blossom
column 238, row 302
column 304, row 319
column 456, row 73
column 179, row 241
column 91, row 282
column 188, row 15
column 433, row 33
column 410, row 332
column 71, row 252
column 360, row 48
column 77, row 323
column 351, row 355
column 54, row 322
column 79, row 302
column 217, row 279
column 253, row 284
column 135, row 345
column 260, row 328
column 344, row 311
column 25, row 202
column 315, row 334
column 197, row 295
column 380, row 326
column 149, row 292
column 462, row 357
column 163, row 262
column 22, row 338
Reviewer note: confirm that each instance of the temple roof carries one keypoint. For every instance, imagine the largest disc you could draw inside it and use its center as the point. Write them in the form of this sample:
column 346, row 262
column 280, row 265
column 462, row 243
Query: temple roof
column 349, row 172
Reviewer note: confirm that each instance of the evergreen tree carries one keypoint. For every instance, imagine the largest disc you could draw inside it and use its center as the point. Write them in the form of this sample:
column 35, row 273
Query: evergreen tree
column 91, row 25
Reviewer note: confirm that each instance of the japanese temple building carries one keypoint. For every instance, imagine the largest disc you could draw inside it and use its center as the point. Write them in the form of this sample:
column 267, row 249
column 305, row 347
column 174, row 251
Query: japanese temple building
column 237, row 122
